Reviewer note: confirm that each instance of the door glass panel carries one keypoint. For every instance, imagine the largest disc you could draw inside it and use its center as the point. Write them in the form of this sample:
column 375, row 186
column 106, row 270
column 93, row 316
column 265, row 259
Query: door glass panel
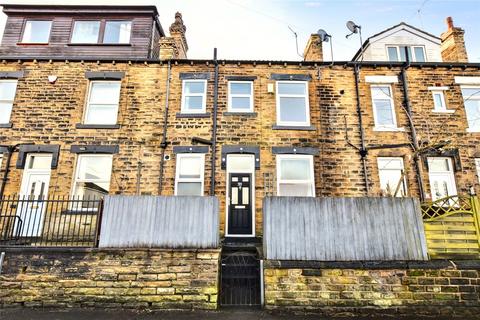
column 42, row 189
column 234, row 195
column 40, row 162
column 235, row 179
column 245, row 179
column 438, row 164
column 237, row 163
column 32, row 189
column 245, row 195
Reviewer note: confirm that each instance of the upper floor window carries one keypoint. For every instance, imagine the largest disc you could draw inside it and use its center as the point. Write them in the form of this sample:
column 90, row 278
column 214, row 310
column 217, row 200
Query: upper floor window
column 109, row 32
column 92, row 176
column 471, row 98
column 7, row 95
column 36, row 31
column 240, row 96
column 392, row 177
column 189, row 179
column 415, row 53
column 383, row 108
column 103, row 100
column 292, row 103
column 194, row 96
column 295, row 176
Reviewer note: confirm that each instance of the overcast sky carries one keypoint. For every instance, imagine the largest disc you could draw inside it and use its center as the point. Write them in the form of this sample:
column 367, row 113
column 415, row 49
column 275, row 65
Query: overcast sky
column 260, row 29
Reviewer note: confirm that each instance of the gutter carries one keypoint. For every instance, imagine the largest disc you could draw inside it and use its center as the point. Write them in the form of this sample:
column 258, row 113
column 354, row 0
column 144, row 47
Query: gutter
column 164, row 142
column 214, row 119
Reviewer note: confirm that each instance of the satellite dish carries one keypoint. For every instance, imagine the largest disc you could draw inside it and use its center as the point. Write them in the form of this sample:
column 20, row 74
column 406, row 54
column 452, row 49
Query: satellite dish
column 352, row 26
column 324, row 36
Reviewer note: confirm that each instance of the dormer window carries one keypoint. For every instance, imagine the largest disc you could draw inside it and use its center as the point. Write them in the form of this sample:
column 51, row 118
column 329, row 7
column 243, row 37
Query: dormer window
column 101, row 32
column 37, row 31
column 397, row 53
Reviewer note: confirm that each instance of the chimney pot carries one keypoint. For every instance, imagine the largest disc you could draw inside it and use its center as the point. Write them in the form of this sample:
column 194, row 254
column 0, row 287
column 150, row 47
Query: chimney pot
column 449, row 23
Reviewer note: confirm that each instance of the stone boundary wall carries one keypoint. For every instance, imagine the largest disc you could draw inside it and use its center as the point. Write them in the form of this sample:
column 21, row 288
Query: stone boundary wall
column 147, row 279
column 436, row 288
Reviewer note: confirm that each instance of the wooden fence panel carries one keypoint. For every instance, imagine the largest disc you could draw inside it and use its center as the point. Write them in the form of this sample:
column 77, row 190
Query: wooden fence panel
column 343, row 229
column 161, row 222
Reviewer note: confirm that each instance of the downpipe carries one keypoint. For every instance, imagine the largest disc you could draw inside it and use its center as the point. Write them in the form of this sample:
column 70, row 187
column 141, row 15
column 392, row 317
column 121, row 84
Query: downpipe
column 2, row 257
column 214, row 129
column 164, row 143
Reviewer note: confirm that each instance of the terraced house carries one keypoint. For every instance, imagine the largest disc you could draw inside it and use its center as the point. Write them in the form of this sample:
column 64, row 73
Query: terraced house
column 260, row 162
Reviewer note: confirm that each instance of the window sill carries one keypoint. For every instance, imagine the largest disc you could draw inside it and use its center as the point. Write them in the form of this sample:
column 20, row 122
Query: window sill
column 32, row 43
column 300, row 128
column 97, row 126
column 240, row 114
column 473, row 130
column 6, row 125
column 99, row 44
column 443, row 111
column 193, row 115
column 389, row 129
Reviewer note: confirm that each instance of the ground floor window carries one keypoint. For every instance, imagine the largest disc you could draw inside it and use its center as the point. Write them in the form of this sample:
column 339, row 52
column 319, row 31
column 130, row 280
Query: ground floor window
column 442, row 179
column 189, row 176
column 391, row 173
column 295, row 175
column 92, row 176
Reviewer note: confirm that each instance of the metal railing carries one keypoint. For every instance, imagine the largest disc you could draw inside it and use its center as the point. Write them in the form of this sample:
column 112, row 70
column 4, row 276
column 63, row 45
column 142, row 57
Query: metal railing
column 59, row 221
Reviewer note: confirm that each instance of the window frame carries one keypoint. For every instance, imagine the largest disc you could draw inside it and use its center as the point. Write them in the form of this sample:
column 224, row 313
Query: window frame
column 10, row 101
column 89, row 95
column 442, row 173
column 404, row 184
column 235, row 95
column 310, row 158
column 101, row 32
column 412, row 52
column 377, row 127
column 77, row 172
column 36, row 43
column 200, row 156
column 477, row 87
column 307, row 104
column 203, row 95
column 437, row 108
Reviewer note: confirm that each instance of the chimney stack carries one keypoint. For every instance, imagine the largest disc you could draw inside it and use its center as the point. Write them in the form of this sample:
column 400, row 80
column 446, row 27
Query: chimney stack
column 453, row 44
column 175, row 46
column 313, row 50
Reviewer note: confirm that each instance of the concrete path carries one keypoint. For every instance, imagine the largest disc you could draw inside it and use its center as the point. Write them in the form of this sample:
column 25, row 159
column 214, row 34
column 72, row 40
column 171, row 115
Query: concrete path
column 97, row 314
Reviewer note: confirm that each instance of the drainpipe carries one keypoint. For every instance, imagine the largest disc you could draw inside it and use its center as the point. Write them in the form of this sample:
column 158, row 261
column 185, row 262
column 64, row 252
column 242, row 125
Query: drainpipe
column 10, row 151
column 2, row 257
column 164, row 142
column 363, row 150
column 408, row 109
column 214, row 131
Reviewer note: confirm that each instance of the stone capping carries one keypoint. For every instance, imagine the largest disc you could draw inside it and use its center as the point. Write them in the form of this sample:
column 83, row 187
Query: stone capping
column 54, row 149
column 12, row 74
column 97, row 126
column 372, row 265
column 6, row 125
column 241, row 78
column 3, row 149
column 190, row 149
column 295, row 150
column 107, row 75
column 194, row 75
column 299, row 128
column 294, row 77
column 241, row 114
column 454, row 154
column 240, row 149
column 193, row 115
column 112, row 149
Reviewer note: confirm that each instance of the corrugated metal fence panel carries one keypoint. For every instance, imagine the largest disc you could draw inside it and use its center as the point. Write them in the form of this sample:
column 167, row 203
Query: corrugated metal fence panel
column 160, row 222
column 343, row 229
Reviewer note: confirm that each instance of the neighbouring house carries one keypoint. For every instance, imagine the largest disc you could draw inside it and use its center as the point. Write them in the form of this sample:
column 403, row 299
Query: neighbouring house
column 97, row 101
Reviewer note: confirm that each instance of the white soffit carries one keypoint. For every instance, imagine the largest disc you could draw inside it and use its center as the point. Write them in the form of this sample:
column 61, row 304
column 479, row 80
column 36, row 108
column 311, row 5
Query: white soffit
column 381, row 79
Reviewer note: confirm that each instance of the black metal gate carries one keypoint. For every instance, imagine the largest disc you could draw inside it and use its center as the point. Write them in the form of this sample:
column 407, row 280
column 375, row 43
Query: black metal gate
column 240, row 280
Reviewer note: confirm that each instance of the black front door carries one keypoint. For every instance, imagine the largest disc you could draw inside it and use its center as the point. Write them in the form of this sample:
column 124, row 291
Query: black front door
column 239, row 206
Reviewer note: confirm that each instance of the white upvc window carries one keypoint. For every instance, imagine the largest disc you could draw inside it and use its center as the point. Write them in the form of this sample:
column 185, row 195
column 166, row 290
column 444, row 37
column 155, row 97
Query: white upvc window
column 117, row 32
column 85, row 31
column 439, row 104
column 189, row 174
column 295, row 175
column 392, row 176
column 92, row 176
column 442, row 178
column 471, row 100
column 37, row 31
column 103, row 101
column 477, row 166
column 383, row 108
column 292, row 103
column 194, row 96
column 397, row 53
column 8, row 89
column 240, row 96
